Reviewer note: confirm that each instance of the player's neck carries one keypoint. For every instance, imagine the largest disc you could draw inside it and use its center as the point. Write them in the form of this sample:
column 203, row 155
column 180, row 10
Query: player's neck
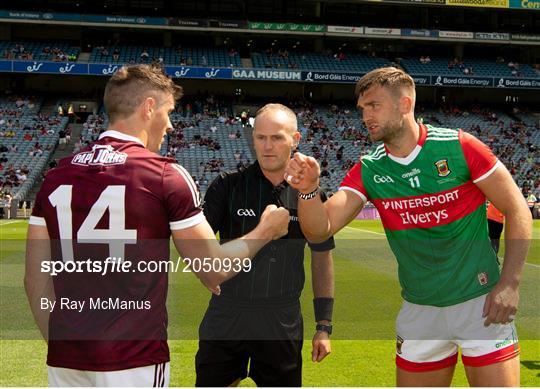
column 132, row 129
column 403, row 144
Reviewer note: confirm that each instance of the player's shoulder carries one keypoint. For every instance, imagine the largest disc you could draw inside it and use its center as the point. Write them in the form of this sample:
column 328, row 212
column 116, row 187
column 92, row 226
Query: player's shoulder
column 375, row 154
column 441, row 134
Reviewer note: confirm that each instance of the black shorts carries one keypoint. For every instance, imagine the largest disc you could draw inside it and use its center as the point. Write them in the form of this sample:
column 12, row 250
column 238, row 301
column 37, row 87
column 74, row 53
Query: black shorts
column 495, row 229
column 268, row 340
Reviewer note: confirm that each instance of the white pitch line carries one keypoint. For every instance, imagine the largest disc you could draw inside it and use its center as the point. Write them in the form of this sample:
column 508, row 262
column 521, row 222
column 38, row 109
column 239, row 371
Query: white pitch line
column 378, row 233
column 11, row 222
column 371, row 232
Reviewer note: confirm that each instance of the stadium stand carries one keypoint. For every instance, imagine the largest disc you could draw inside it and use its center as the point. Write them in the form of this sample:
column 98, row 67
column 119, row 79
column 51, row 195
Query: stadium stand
column 316, row 61
column 39, row 51
column 27, row 139
column 188, row 56
column 469, row 66
column 329, row 60
column 206, row 144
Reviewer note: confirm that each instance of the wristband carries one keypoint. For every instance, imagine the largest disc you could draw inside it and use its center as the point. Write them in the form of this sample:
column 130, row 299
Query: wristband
column 325, row 328
column 310, row 195
column 323, row 307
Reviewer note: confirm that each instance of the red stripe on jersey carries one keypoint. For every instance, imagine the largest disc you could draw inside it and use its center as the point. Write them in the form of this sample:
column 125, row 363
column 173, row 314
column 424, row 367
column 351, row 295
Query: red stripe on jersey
column 430, row 210
column 353, row 179
column 479, row 157
column 491, row 358
column 419, row 367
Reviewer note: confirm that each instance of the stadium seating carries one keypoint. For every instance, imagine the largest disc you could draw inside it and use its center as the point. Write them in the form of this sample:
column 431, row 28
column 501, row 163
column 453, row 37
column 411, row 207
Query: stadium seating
column 222, row 57
column 338, row 128
column 439, row 66
column 22, row 114
column 196, row 56
column 320, row 62
column 40, row 51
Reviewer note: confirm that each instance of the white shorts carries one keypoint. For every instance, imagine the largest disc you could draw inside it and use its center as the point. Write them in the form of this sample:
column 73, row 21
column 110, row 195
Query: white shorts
column 428, row 337
column 62, row 141
column 146, row 376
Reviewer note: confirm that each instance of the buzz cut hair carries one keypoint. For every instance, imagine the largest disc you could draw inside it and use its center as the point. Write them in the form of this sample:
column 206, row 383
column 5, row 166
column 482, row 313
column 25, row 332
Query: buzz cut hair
column 271, row 107
column 394, row 79
column 131, row 85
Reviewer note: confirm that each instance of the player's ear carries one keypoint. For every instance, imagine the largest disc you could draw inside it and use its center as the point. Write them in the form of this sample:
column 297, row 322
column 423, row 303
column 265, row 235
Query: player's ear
column 405, row 104
column 148, row 107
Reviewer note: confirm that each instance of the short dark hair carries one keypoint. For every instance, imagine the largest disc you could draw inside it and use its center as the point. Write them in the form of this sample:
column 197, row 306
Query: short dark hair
column 130, row 85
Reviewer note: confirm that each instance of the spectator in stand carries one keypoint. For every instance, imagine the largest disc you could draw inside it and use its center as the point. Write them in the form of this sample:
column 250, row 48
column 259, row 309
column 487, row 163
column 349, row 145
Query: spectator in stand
column 144, row 55
column 21, row 177
column 531, row 201
column 62, row 139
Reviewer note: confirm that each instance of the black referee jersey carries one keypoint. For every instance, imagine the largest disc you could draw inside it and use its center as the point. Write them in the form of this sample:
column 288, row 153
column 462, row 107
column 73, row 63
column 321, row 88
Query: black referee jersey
column 233, row 205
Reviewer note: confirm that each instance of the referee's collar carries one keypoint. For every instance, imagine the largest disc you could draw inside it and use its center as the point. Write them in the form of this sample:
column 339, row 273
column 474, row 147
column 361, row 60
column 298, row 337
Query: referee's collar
column 255, row 169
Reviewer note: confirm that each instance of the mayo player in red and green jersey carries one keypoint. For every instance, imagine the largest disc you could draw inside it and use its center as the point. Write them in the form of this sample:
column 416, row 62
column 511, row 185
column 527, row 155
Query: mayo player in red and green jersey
column 429, row 185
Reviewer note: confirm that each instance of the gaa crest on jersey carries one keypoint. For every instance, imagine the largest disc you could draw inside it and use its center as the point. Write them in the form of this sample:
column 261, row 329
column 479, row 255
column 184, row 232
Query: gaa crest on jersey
column 399, row 343
column 483, row 278
column 100, row 155
column 442, row 167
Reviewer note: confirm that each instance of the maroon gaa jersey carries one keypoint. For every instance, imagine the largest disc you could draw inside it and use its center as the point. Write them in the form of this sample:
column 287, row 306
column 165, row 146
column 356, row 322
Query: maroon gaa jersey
column 112, row 204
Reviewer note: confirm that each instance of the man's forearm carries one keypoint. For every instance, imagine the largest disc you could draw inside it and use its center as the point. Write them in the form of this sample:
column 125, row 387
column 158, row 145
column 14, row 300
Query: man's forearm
column 38, row 284
column 240, row 252
column 517, row 236
column 41, row 316
column 314, row 220
column 322, row 274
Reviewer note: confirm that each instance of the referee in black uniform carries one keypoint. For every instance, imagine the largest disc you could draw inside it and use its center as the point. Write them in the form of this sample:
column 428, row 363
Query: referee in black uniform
column 256, row 320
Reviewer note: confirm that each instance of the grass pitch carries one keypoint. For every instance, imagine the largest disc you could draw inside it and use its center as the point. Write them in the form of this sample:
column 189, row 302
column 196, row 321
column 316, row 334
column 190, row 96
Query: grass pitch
column 363, row 345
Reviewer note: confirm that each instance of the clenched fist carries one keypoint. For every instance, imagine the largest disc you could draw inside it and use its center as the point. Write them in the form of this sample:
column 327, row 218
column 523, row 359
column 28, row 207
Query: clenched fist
column 275, row 220
column 302, row 173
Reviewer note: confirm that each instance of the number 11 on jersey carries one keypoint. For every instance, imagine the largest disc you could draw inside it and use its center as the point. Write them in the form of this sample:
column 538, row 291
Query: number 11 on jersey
column 415, row 182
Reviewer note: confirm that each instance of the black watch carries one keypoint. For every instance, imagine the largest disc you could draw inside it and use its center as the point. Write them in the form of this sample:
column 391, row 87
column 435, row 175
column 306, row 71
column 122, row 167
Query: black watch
column 324, row 327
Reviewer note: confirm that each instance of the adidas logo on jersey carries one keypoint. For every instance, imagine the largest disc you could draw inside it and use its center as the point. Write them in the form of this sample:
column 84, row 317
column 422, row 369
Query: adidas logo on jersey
column 100, row 155
column 246, row 212
column 382, row 179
